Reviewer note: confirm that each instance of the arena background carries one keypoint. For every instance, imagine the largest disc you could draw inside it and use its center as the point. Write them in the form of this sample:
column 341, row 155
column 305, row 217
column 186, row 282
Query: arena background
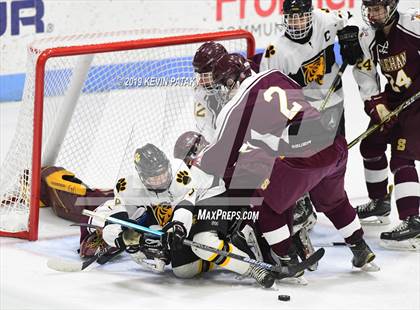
column 22, row 21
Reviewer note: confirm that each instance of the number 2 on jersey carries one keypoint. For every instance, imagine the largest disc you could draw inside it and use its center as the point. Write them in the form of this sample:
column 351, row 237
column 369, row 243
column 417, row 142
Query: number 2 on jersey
column 284, row 109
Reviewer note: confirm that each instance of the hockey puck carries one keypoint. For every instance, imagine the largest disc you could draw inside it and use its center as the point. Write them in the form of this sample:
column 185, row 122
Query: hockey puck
column 284, row 297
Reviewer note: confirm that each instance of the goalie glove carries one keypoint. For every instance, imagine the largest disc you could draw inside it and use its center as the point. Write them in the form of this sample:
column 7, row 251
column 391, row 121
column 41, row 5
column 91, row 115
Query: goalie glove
column 93, row 244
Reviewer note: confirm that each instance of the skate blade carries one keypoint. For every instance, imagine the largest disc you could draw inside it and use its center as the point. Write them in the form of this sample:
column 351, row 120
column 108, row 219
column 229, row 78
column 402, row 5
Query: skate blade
column 412, row 244
column 295, row 281
column 376, row 221
column 370, row 267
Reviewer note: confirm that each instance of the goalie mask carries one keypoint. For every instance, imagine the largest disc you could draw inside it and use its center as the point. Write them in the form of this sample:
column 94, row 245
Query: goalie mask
column 379, row 13
column 188, row 145
column 229, row 72
column 153, row 167
column 297, row 18
column 204, row 60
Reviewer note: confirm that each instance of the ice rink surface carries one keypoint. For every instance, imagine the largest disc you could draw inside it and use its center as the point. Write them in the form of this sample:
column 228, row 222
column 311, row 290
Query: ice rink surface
column 27, row 283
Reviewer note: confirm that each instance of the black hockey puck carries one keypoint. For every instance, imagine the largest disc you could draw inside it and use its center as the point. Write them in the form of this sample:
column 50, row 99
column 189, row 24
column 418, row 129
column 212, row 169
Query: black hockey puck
column 284, row 297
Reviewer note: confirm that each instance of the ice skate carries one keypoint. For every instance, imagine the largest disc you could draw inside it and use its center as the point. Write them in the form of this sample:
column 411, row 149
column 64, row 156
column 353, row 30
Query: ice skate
column 405, row 236
column 376, row 211
column 289, row 260
column 363, row 256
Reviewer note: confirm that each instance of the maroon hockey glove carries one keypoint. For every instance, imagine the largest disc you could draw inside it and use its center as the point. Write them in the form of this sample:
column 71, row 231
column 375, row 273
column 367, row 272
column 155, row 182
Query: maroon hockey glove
column 93, row 244
column 377, row 109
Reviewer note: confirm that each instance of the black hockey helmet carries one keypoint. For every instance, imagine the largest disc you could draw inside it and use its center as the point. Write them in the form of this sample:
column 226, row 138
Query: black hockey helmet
column 297, row 18
column 379, row 13
column 153, row 167
column 297, row 6
column 188, row 145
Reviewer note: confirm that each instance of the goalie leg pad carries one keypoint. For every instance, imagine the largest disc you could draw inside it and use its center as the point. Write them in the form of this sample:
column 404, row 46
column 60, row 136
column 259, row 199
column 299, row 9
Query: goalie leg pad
column 67, row 195
column 64, row 180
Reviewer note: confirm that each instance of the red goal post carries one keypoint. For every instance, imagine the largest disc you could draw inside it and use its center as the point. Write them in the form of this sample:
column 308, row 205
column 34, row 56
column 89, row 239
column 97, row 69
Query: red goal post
column 53, row 84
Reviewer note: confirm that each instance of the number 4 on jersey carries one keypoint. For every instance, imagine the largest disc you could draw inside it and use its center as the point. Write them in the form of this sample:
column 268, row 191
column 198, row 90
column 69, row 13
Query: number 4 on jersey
column 401, row 80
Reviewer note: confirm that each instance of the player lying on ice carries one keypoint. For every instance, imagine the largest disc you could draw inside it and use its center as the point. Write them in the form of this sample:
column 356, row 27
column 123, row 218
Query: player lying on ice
column 161, row 183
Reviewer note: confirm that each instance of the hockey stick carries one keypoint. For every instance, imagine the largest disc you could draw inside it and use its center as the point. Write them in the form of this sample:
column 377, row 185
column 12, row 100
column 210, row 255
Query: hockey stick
column 330, row 244
column 59, row 264
column 334, row 85
column 87, row 225
column 393, row 113
column 281, row 271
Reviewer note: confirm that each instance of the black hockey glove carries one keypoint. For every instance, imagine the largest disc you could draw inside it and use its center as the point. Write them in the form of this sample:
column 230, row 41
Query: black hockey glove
column 153, row 248
column 350, row 49
column 175, row 233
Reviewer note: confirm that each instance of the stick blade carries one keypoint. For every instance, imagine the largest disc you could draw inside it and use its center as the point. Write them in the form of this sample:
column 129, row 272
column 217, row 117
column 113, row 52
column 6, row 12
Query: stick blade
column 58, row 264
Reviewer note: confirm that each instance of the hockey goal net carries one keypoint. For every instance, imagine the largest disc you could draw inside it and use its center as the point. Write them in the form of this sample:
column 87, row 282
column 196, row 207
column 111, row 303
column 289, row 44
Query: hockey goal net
column 89, row 101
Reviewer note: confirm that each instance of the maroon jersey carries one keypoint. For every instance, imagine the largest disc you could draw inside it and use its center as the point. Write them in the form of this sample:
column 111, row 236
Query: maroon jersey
column 398, row 55
column 268, row 117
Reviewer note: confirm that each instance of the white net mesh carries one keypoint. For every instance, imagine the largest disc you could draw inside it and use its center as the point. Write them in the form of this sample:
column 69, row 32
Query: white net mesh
column 128, row 98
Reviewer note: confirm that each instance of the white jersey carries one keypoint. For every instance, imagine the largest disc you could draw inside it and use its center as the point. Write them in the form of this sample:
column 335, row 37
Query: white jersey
column 132, row 192
column 206, row 109
column 188, row 184
column 312, row 63
column 365, row 71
